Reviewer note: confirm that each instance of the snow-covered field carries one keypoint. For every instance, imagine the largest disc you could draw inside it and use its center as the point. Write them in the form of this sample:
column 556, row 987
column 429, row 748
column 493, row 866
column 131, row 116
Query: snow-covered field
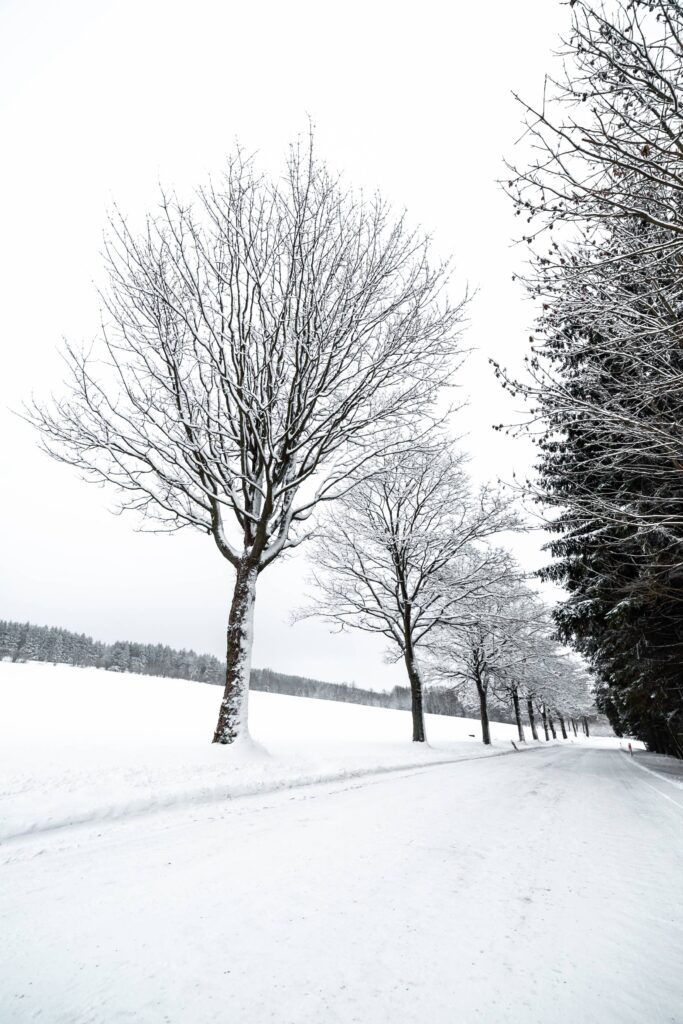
column 79, row 744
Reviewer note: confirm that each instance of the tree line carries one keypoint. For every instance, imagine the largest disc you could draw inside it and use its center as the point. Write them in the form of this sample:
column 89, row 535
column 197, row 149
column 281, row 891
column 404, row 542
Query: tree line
column 413, row 558
column 440, row 700
column 23, row 641
column 601, row 200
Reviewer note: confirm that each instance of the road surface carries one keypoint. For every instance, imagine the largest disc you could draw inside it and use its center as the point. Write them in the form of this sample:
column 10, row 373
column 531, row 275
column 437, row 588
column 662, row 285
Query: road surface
column 542, row 887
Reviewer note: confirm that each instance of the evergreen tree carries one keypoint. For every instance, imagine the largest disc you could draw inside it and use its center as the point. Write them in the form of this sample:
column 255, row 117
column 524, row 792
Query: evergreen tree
column 605, row 377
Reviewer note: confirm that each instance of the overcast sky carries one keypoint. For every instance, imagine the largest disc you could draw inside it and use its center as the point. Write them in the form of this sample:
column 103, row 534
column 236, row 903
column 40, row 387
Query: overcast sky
column 102, row 100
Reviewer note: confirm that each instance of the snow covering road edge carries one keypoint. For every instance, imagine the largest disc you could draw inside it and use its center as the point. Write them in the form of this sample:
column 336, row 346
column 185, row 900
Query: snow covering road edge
column 141, row 807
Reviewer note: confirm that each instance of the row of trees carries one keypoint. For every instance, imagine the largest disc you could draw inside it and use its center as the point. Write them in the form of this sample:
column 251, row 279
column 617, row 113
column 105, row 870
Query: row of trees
column 413, row 559
column 507, row 653
column 439, row 700
column 272, row 348
column 602, row 197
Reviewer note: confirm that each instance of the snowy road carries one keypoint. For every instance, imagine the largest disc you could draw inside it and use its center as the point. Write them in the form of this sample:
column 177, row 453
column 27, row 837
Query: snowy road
column 540, row 887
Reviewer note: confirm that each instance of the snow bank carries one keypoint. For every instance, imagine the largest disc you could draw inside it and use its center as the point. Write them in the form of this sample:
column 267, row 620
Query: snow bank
column 83, row 745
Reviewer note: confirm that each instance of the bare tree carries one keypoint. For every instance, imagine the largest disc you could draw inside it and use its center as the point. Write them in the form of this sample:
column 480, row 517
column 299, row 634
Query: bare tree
column 507, row 651
column 479, row 649
column 407, row 551
column 525, row 629
column 560, row 686
column 569, row 691
column 260, row 346
column 606, row 140
column 548, row 677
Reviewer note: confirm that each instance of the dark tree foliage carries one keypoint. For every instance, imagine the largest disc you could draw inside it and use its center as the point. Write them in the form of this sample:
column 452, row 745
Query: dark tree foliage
column 625, row 583
column 609, row 340
column 22, row 641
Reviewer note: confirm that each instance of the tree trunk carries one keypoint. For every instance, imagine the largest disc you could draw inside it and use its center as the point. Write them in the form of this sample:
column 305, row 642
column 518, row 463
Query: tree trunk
column 585, row 725
column 532, row 720
column 484, row 713
column 562, row 727
column 232, row 717
column 416, row 701
column 552, row 726
column 574, row 727
column 544, row 717
column 518, row 716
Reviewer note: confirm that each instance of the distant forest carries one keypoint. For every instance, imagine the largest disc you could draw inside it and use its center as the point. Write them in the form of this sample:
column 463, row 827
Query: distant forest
column 22, row 641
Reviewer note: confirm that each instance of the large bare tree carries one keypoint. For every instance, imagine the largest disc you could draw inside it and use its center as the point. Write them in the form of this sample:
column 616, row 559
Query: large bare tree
column 260, row 346
column 406, row 552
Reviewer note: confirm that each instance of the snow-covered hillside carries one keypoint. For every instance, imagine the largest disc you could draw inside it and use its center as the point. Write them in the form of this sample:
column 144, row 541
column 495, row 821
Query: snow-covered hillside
column 79, row 744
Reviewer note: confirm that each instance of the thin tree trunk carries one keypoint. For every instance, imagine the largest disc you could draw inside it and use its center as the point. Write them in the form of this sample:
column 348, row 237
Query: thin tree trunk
column 585, row 725
column 544, row 717
column 518, row 716
column 416, row 698
column 532, row 719
column 232, row 717
column 574, row 727
column 562, row 727
column 484, row 713
column 552, row 726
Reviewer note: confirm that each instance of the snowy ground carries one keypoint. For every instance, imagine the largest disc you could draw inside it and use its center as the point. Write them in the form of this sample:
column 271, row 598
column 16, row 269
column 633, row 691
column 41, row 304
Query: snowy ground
column 81, row 745
column 542, row 888
column 535, row 888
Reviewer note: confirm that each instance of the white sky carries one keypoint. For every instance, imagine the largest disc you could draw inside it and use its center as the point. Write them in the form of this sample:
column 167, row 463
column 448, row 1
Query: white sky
column 101, row 100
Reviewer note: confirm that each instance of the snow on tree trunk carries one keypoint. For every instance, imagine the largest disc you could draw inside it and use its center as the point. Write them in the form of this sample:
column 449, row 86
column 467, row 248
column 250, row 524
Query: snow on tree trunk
column 416, row 701
column 232, row 717
column 532, row 719
column 544, row 718
column 518, row 716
